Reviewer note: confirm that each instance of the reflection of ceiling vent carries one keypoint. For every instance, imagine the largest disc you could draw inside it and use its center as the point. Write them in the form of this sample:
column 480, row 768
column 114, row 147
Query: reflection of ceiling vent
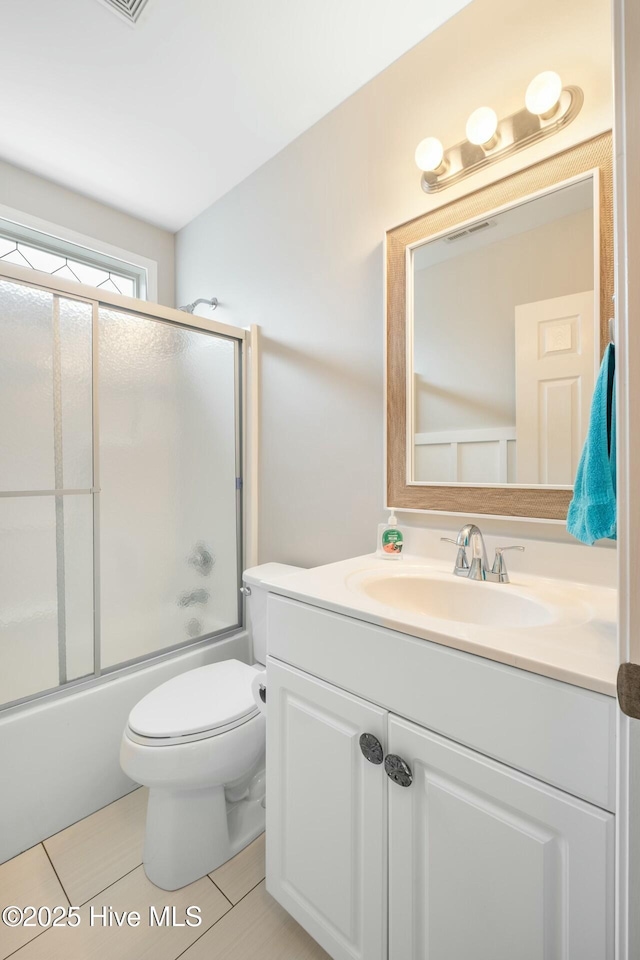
column 129, row 10
column 468, row 231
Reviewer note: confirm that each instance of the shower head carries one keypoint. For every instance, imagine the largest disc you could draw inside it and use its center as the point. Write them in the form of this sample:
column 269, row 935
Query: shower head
column 190, row 307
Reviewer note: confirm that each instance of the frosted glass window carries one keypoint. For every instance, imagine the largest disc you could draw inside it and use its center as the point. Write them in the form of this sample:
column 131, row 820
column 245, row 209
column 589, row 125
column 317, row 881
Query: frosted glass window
column 88, row 274
column 35, row 250
column 108, row 284
column 168, row 514
column 15, row 256
column 65, row 273
column 41, row 259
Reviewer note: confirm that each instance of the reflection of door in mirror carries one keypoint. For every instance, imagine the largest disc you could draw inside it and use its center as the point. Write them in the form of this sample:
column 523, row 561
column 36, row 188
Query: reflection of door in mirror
column 505, row 343
column 555, row 371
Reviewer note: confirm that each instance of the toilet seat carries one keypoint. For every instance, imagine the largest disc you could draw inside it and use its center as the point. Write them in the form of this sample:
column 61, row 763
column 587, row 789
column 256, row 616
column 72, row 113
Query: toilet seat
column 195, row 705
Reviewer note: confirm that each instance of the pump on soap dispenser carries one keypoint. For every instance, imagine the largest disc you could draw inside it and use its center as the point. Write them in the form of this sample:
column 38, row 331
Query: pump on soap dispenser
column 390, row 539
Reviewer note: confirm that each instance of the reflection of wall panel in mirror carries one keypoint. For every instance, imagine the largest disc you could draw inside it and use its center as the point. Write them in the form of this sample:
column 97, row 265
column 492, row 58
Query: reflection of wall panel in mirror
column 482, row 449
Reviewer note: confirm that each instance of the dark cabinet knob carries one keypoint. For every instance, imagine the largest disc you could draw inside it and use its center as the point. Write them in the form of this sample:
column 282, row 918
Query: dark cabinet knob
column 398, row 770
column 371, row 748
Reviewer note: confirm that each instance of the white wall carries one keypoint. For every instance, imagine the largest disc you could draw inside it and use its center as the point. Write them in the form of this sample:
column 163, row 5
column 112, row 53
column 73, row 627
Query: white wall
column 46, row 200
column 297, row 247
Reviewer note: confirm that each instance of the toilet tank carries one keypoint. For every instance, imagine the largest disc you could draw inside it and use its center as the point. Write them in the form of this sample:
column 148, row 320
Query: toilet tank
column 256, row 604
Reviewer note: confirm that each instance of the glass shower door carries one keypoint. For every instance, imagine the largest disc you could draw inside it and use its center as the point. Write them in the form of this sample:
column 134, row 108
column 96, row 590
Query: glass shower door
column 120, row 503
column 46, row 476
column 169, row 447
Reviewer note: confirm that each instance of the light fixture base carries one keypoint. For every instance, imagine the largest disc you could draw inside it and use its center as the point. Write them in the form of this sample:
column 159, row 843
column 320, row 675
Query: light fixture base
column 514, row 133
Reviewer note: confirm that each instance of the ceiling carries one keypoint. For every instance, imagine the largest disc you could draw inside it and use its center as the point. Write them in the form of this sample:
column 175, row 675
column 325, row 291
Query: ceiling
column 162, row 118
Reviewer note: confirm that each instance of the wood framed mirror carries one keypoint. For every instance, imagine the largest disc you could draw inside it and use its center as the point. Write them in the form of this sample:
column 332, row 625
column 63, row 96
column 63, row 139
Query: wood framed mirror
column 498, row 308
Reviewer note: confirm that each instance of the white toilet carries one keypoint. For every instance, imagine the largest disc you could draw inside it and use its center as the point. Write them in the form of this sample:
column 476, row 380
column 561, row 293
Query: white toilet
column 198, row 742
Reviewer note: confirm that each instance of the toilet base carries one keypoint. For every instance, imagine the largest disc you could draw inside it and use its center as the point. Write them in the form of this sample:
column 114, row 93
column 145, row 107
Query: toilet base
column 246, row 822
column 189, row 833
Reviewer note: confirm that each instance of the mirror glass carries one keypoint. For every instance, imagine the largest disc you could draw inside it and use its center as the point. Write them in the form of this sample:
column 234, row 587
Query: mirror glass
column 506, row 343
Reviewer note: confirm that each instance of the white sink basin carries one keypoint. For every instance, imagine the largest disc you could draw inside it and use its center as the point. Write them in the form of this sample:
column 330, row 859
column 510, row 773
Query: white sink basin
column 554, row 627
column 456, row 599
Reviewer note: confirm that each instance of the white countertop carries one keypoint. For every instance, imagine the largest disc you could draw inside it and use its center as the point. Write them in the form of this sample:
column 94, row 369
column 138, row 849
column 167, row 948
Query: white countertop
column 579, row 647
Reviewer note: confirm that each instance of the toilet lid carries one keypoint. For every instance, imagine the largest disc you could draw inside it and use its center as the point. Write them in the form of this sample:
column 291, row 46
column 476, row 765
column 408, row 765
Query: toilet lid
column 195, row 701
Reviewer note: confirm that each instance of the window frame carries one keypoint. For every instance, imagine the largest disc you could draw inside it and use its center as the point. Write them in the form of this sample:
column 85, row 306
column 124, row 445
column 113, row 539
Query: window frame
column 55, row 239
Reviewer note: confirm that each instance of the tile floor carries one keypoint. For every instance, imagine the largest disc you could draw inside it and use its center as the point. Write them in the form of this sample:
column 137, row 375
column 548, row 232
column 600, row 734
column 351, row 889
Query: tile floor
column 97, row 863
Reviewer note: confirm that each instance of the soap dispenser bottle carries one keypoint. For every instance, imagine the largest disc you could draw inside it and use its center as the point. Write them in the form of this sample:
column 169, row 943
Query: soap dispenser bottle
column 390, row 539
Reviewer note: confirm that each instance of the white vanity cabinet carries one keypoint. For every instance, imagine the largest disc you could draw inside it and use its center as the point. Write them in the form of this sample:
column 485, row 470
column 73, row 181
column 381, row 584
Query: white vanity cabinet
column 473, row 860
column 488, row 864
column 327, row 810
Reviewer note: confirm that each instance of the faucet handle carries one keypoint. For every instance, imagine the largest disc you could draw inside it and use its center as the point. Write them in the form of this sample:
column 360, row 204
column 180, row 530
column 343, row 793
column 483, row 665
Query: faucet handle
column 499, row 568
column 461, row 560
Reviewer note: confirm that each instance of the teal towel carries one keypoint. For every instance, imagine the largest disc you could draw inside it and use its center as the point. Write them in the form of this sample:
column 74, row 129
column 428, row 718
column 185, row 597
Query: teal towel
column 592, row 512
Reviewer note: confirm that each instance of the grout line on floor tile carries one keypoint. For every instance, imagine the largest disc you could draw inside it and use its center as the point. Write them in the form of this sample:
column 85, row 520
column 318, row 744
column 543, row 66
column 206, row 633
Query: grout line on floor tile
column 220, row 890
column 208, row 928
column 250, row 891
column 86, row 817
column 232, row 907
column 94, row 895
column 16, row 855
column 27, row 944
column 46, row 853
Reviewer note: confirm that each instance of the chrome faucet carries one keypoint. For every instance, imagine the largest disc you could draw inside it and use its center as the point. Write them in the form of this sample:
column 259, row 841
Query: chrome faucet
column 478, row 569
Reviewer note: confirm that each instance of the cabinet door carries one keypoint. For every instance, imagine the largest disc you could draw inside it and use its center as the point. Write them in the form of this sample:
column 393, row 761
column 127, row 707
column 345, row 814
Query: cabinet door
column 489, row 864
column 326, row 814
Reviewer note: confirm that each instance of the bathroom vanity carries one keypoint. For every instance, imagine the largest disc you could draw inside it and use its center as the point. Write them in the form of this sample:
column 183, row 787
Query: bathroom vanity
column 436, row 787
column 441, row 763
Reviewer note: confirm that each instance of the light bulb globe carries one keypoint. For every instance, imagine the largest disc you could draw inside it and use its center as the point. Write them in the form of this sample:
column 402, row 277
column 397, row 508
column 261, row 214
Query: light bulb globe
column 429, row 154
column 543, row 93
column 482, row 126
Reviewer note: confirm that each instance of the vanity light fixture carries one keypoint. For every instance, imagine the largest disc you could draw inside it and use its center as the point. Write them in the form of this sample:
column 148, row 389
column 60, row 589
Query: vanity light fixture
column 548, row 108
column 543, row 95
column 429, row 155
column 481, row 128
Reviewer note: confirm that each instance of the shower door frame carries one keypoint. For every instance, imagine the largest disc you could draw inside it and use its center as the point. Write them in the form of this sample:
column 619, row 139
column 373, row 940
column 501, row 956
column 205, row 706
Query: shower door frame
column 246, row 341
